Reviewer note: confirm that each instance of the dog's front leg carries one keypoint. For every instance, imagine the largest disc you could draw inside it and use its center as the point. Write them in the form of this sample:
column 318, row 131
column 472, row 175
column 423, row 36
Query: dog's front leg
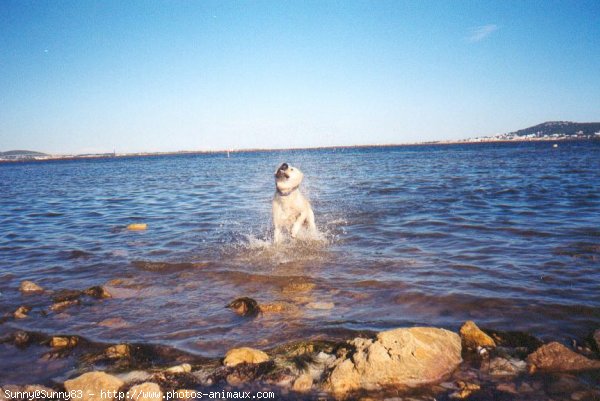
column 298, row 224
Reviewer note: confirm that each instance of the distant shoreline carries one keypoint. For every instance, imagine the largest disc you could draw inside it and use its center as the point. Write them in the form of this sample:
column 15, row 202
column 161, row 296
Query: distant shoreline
column 256, row 150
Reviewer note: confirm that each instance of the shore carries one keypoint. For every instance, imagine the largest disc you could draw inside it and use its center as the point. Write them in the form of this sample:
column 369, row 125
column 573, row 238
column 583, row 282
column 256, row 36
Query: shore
column 255, row 150
column 416, row 363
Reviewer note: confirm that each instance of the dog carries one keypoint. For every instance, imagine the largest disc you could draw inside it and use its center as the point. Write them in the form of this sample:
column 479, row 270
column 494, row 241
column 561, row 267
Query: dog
column 291, row 210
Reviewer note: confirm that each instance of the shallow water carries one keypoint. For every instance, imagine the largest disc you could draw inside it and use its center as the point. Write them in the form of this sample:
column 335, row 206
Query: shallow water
column 505, row 234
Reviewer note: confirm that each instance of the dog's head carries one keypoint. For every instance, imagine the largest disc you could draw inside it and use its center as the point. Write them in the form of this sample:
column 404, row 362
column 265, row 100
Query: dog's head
column 288, row 177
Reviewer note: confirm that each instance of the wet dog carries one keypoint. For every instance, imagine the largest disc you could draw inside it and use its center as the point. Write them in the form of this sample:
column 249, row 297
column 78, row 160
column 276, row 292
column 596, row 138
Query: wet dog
column 291, row 210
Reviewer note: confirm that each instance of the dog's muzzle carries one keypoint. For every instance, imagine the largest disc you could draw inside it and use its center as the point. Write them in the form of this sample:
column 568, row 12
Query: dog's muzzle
column 281, row 171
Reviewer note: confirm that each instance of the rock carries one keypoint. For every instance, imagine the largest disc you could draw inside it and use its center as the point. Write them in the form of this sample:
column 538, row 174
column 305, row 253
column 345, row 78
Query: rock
column 244, row 306
column 236, row 356
column 401, row 357
column 516, row 339
column 145, row 392
column 320, row 305
column 2, row 396
column 117, row 351
column 555, row 357
column 63, row 342
column 303, row 383
column 597, row 339
column 21, row 312
column 95, row 386
column 464, row 390
column 526, row 388
column 21, row 338
column 473, row 337
column 98, row 292
column 507, row 388
column 506, row 367
column 29, row 287
column 183, row 368
column 561, row 384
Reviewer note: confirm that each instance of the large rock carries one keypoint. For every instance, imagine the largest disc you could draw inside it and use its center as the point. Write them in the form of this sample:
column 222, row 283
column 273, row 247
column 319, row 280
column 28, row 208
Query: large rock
column 397, row 358
column 95, row 386
column 473, row 337
column 145, row 392
column 555, row 357
column 236, row 356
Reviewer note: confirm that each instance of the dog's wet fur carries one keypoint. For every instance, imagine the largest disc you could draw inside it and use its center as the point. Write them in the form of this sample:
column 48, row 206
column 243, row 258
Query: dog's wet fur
column 291, row 210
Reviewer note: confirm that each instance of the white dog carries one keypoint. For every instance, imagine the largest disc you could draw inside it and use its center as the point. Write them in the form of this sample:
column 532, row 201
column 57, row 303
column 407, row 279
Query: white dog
column 291, row 210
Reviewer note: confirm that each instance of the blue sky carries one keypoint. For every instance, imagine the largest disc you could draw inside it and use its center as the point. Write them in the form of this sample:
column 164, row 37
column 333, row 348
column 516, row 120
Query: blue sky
column 92, row 76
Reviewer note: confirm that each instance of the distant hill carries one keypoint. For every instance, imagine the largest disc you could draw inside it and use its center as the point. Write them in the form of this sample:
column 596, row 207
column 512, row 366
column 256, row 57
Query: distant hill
column 15, row 153
column 561, row 128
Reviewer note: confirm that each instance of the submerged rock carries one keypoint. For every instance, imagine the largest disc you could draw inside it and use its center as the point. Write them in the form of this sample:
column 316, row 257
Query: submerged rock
column 145, row 392
column 236, row 356
column 21, row 312
column 59, row 306
column 95, row 386
column 506, row 367
column 555, row 357
column 320, row 305
column 473, row 337
column 244, row 306
column 397, row 358
column 298, row 286
column 277, row 307
column 21, row 338
column 66, row 295
column 29, row 287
